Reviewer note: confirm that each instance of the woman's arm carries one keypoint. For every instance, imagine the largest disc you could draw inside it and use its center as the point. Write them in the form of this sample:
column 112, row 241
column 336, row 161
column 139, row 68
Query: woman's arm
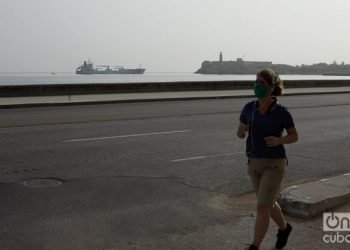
column 242, row 130
column 291, row 137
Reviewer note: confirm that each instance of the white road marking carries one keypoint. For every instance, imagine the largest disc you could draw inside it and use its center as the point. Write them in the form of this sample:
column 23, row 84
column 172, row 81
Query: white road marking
column 189, row 159
column 206, row 156
column 323, row 180
column 125, row 136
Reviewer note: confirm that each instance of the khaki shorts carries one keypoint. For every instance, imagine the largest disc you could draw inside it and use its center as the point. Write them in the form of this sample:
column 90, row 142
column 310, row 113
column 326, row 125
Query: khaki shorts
column 266, row 176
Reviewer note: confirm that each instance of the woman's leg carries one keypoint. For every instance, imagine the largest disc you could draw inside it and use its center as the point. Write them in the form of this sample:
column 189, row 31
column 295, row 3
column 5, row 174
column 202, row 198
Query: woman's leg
column 268, row 189
column 277, row 216
column 261, row 223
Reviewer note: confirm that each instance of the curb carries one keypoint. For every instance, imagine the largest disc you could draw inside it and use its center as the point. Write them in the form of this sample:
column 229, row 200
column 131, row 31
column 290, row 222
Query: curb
column 310, row 199
column 87, row 102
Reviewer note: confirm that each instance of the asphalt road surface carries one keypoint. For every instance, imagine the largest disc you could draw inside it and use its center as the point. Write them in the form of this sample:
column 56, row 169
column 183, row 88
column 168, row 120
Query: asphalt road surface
column 144, row 170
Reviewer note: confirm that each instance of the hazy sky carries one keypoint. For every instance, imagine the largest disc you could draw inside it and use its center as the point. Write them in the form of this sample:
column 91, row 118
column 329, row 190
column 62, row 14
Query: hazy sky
column 170, row 35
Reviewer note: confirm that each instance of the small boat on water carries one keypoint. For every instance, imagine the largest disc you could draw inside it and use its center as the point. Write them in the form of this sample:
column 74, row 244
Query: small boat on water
column 88, row 69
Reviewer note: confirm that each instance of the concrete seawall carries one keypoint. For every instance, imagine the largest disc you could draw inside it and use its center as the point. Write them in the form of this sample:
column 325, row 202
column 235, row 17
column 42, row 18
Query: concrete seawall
column 104, row 88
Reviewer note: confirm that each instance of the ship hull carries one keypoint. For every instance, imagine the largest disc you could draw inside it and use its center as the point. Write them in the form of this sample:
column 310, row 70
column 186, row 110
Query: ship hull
column 111, row 72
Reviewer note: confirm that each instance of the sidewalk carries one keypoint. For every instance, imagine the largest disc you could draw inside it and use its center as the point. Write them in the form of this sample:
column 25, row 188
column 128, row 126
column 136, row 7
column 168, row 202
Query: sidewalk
column 11, row 102
column 313, row 198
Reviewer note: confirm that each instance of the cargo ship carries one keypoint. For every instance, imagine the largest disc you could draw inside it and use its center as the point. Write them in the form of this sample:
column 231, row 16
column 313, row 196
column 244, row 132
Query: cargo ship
column 88, row 69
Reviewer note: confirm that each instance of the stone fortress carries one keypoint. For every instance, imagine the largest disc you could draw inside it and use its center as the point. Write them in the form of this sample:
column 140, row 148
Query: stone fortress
column 251, row 67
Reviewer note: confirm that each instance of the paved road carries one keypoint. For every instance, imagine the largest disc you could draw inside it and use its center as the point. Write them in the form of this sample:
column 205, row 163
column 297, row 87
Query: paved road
column 145, row 172
column 161, row 138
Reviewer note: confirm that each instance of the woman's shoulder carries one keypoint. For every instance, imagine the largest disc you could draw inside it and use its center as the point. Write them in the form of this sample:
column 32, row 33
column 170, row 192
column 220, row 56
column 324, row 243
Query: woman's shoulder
column 250, row 103
column 281, row 108
column 281, row 105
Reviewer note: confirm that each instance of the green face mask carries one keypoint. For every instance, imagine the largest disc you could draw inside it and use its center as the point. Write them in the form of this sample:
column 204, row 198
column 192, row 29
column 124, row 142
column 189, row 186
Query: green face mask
column 260, row 90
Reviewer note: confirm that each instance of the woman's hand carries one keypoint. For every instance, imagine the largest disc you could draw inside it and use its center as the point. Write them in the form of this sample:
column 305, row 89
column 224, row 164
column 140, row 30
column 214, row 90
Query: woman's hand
column 242, row 130
column 291, row 137
column 273, row 141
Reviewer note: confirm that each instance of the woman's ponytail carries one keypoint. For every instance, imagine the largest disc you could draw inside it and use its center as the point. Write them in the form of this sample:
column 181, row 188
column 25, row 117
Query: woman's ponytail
column 278, row 88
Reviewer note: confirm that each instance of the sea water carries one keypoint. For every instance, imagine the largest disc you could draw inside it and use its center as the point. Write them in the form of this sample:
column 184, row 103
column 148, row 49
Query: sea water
column 72, row 78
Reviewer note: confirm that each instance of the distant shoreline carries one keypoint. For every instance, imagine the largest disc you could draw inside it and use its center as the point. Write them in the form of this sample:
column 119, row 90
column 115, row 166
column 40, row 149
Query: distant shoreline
column 251, row 67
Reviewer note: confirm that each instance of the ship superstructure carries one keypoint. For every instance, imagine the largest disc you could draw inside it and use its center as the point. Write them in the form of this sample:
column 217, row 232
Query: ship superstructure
column 88, row 69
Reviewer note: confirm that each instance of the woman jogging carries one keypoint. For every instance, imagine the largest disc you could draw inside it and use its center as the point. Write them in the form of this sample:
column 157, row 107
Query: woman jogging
column 265, row 120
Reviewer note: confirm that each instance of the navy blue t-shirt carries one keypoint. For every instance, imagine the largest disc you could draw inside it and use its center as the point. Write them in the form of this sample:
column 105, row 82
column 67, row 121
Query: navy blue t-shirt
column 271, row 123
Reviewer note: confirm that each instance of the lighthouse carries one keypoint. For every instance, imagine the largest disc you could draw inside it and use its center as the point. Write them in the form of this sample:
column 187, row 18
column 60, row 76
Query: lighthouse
column 220, row 57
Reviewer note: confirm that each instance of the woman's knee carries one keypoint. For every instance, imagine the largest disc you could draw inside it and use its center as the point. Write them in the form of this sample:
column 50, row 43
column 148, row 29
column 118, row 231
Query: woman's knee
column 264, row 207
column 276, row 206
